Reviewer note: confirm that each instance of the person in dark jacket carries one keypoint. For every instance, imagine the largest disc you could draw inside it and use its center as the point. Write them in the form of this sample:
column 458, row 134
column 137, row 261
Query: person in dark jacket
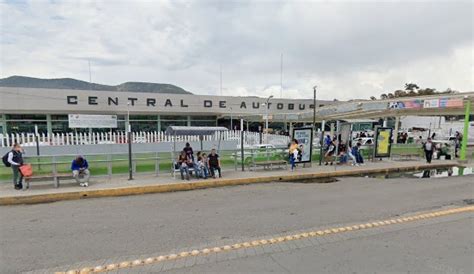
column 189, row 151
column 214, row 163
column 15, row 159
column 80, row 171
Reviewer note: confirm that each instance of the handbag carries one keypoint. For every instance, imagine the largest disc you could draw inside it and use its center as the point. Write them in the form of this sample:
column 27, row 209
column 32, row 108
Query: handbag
column 26, row 170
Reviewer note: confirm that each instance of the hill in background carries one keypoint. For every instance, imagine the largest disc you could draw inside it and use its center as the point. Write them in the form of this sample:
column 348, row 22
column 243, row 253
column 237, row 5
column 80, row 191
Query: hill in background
column 69, row 83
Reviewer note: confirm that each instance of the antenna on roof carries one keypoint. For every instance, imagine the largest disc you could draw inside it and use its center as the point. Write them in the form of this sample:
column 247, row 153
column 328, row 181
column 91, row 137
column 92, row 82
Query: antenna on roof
column 90, row 75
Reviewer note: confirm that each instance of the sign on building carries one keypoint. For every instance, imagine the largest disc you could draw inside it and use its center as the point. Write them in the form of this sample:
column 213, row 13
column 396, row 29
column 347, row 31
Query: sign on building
column 92, row 121
column 304, row 136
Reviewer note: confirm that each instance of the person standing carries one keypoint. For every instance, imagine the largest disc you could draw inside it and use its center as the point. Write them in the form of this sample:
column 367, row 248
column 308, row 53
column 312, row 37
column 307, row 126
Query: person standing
column 357, row 154
column 214, row 163
column 428, row 148
column 80, row 171
column 189, row 151
column 329, row 155
column 15, row 160
column 292, row 151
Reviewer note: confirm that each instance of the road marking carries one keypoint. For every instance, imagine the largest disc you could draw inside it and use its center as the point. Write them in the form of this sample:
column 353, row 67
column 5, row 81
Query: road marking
column 293, row 237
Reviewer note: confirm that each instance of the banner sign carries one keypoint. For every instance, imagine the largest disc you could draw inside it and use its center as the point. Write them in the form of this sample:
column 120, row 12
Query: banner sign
column 431, row 103
column 304, row 136
column 92, row 121
column 383, row 145
column 451, row 103
column 406, row 104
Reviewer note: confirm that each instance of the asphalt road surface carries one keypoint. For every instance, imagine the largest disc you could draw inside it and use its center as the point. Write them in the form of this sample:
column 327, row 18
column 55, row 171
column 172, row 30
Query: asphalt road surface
column 73, row 234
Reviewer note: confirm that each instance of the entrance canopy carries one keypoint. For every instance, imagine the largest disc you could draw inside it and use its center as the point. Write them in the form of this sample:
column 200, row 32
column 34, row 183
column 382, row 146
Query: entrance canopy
column 198, row 131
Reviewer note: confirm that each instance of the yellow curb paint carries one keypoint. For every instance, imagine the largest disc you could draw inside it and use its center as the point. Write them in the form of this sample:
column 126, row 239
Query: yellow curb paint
column 172, row 256
column 206, row 251
column 124, row 264
column 173, row 186
column 161, row 258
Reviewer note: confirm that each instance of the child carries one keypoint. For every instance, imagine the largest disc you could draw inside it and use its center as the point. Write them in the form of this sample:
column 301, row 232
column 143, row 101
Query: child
column 203, row 166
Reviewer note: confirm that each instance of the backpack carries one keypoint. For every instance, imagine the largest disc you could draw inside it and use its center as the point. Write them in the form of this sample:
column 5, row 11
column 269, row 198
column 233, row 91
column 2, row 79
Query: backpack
column 5, row 160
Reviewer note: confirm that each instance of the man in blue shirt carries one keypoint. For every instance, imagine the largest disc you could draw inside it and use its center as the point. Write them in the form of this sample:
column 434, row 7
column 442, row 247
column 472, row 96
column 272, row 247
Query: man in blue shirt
column 80, row 171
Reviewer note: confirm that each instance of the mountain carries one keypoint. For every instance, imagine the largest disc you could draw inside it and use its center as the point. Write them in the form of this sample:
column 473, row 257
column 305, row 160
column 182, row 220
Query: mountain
column 69, row 83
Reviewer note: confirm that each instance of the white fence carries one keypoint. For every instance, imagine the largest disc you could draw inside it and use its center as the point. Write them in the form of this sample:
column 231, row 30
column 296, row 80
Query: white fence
column 67, row 139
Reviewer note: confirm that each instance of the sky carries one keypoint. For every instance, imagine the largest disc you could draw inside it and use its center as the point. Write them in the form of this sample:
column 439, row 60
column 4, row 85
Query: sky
column 349, row 49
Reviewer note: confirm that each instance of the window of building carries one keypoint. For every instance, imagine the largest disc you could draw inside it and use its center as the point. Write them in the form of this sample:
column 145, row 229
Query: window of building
column 144, row 125
column 26, row 126
column 25, row 117
column 166, row 124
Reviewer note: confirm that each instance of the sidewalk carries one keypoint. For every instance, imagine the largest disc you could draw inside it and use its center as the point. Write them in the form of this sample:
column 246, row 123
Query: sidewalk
column 41, row 192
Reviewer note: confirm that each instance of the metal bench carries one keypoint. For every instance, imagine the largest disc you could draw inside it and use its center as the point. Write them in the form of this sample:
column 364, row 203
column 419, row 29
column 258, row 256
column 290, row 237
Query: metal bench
column 175, row 170
column 407, row 155
column 269, row 164
column 55, row 178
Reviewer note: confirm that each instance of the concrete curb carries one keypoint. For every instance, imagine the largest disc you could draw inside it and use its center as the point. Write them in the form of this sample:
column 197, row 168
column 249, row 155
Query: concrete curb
column 139, row 190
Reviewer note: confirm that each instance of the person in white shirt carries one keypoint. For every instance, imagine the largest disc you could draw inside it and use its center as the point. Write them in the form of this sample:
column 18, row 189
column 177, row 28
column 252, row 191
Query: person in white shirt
column 428, row 147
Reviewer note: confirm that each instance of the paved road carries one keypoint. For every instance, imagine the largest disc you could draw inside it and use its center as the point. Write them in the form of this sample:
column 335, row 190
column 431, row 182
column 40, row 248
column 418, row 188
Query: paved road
column 74, row 234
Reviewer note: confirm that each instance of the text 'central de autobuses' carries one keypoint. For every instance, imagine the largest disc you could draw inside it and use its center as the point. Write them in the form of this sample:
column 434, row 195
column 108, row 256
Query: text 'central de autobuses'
column 181, row 103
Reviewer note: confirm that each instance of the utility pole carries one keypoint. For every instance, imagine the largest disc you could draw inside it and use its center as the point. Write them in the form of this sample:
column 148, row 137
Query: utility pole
column 129, row 134
column 231, row 128
column 314, row 115
column 220, row 82
column 281, row 76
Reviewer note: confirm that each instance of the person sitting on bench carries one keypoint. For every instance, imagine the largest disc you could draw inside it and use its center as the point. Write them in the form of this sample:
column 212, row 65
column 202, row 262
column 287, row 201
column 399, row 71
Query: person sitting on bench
column 184, row 163
column 214, row 163
column 80, row 171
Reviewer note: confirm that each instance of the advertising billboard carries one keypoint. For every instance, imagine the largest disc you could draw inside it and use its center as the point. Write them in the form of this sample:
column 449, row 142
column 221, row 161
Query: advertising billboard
column 383, row 144
column 304, row 136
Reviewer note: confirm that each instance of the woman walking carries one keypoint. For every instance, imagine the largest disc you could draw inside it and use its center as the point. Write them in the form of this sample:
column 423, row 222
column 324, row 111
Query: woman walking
column 293, row 153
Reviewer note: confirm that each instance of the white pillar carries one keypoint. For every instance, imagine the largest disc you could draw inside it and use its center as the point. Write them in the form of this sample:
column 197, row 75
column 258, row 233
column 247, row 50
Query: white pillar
column 395, row 134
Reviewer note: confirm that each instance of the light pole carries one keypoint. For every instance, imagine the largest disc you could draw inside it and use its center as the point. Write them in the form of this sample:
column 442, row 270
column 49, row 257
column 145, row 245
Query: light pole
column 231, row 128
column 129, row 134
column 314, row 115
column 266, row 112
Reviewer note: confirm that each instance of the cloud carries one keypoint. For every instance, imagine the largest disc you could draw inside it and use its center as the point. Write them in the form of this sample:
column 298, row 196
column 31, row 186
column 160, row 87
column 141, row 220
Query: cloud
column 349, row 49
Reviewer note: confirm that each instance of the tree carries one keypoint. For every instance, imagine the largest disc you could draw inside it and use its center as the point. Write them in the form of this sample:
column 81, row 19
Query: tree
column 411, row 86
column 373, row 98
column 400, row 93
column 384, row 96
column 390, row 96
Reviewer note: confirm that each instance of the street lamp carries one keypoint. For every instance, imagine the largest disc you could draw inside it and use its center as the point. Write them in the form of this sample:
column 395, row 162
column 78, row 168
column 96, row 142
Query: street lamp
column 231, row 128
column 129, row 134
column 266, row 112
column 266, row 104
